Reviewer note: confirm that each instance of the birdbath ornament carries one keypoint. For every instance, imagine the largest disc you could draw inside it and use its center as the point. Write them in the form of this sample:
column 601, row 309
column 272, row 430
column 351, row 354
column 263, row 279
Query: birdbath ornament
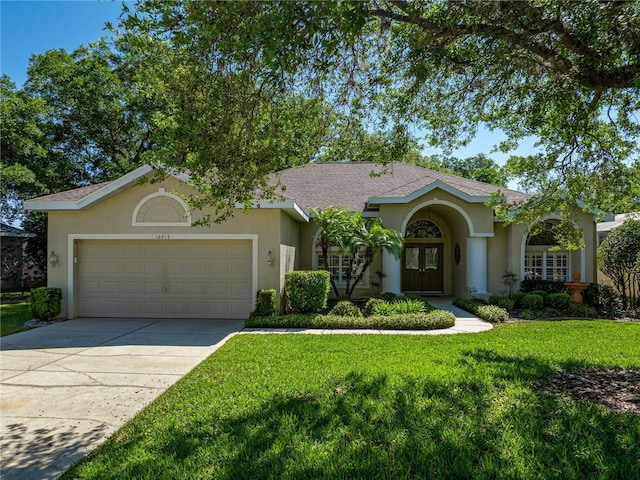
column 576, row 288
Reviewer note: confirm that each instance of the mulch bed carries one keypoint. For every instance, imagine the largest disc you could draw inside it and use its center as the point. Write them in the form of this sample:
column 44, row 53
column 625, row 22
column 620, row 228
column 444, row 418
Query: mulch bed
column 617, row 389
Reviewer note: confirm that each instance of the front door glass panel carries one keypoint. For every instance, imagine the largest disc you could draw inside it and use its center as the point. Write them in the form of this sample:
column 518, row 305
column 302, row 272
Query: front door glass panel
column 431, row 258
column 412, row 258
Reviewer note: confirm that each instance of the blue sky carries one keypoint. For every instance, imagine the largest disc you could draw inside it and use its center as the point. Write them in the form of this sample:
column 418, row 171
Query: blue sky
column 32, row 27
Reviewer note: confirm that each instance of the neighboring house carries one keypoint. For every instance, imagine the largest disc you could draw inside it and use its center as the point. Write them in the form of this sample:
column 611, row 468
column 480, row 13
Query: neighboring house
column 12, row 252
column 127, row 249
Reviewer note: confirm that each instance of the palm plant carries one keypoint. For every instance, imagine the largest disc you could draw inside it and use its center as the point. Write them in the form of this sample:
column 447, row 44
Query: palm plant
column 358, row 238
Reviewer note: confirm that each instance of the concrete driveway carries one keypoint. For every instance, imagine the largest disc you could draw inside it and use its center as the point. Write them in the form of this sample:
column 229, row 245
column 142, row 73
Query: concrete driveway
column 66, row 387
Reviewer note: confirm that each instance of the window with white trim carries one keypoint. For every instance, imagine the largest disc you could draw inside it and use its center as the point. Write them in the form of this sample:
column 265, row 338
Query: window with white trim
column 338, row 266
column 542, row 258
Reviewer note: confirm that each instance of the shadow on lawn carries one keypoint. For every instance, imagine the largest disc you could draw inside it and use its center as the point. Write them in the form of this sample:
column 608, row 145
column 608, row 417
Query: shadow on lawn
column 375, row 428
column 476, row 425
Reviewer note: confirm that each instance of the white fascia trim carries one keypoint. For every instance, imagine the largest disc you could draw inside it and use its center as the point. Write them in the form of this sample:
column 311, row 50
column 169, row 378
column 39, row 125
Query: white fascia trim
column 155, row 237
column 288, row 205
column 364, row 214
column 100, row 194
column 428, row 188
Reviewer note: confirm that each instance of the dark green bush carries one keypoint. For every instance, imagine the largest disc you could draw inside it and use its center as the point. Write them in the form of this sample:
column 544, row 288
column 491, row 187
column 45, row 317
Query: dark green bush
column 370, row 306
column 516, row 297
column 265, row 303
column 604, row 298
column 560, row 301
column 492, row 313
column 306, row 291
column 469, row 304
column 502, row 302
column 46, row 302
column 582, row 311
column 548, row 286
column 436, row 319
column 542, row 293
column 345, row 308
column 388, row 296
column 532, row 301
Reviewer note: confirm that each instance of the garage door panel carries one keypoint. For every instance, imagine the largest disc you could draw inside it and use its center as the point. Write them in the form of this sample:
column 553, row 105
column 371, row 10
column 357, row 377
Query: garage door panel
column 191, row 278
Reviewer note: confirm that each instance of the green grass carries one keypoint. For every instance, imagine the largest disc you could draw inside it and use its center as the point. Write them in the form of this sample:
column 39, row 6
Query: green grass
column 13, row 315
column 379, row 406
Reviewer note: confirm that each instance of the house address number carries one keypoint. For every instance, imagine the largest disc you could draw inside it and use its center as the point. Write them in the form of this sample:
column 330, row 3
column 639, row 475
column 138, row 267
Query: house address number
column 162, row 236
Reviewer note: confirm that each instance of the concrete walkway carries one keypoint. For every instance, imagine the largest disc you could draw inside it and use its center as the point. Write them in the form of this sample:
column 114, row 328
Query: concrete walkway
column 66, row 387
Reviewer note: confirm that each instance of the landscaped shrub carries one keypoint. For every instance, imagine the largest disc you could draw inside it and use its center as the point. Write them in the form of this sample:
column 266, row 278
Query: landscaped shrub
column 388, row 296
column 46, row 302
column 516, row 297
column 408, row 305
column 492, row 313
column 604, row 298
column 306, row 291
column 265, row 303
column 549, row 286
column 369, row 307
column 436, row 319
column 543, row 294
column 582, row 311
column 345, row 308
column 469, row 304
column 500, row 301
column 560, row 301
column 532, row 301
column 385, row 308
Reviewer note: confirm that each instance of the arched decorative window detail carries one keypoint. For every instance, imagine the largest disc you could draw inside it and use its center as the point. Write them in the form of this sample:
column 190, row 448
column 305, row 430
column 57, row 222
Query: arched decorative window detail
column 423, row 229
column 161, row 209
column 543, row 257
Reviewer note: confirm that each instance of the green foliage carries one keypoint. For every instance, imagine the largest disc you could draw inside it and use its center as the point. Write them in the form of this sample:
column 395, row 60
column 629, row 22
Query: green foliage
column 46, row 302
column 618, row 256
column 503, row 302
column 306, row 291
column 469, row 304
column 384, row 308
column 359, row 238
column 395, row 68
column 371, row 306
column 582, row 311
column 532, row 301
column 435, row 319
column 547, row 286
column 403, row 306
column 603, row 298
column 560, row 301
column 345, row 308
column 492, row 313
column 542, row 293
column 516, row 297
column 265, row 303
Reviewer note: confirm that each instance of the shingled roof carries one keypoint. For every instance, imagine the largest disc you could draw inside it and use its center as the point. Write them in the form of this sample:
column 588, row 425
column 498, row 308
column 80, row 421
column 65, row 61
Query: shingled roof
column 360, row 184
column 353, row 185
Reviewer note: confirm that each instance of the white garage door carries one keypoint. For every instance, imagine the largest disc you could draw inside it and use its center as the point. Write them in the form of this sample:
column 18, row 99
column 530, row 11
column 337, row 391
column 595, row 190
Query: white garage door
column 164, row 278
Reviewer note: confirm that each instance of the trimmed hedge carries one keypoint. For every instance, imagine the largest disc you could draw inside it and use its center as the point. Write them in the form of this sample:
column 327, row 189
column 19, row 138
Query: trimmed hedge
column 265, row 303
column 436, row 319
column 503, row 302
column 46, row 302
column 560, row 301
column 532, row 301
column 492, row 313
column 307, row 292
column 548, row 286
column 345, row 308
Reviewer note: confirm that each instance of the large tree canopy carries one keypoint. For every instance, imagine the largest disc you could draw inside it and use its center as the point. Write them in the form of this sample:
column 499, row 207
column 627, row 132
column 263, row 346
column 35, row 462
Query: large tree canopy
column 78, row 120
column 247, row 74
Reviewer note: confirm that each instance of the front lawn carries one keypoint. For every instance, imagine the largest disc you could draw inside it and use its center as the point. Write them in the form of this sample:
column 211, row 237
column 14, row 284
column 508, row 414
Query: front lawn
column 386, row 406
column 13, row 315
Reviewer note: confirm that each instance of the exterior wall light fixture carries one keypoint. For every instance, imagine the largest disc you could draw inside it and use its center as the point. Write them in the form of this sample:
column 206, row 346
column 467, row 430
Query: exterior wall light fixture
column 53, row 259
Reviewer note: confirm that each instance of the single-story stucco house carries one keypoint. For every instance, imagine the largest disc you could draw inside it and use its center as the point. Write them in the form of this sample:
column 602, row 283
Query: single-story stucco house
column 127, row 249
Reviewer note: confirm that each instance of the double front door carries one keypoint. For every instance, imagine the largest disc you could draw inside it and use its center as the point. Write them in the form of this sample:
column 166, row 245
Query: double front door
column 422, row 267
